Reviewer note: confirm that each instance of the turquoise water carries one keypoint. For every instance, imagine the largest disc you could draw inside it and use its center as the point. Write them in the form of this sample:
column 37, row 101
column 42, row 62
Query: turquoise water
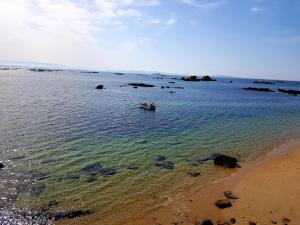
column 54, row 124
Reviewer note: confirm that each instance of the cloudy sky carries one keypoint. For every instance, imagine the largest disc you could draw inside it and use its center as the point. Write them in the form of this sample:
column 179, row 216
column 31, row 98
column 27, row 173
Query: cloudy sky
column 254, row 38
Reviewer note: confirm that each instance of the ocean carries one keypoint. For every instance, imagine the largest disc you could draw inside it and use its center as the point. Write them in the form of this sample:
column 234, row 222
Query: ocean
column 63, row 141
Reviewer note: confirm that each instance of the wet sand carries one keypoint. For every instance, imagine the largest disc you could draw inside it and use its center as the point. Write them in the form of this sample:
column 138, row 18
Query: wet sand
column 268, row 190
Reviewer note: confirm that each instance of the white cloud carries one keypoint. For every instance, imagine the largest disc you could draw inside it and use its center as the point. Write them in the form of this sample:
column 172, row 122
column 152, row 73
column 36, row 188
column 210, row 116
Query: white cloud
column 170, row 22
column 63, row 31
column 204, row 5
column 256, row 9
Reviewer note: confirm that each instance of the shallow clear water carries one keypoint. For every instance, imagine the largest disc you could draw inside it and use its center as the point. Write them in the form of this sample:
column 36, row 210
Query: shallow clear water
column 53, row 124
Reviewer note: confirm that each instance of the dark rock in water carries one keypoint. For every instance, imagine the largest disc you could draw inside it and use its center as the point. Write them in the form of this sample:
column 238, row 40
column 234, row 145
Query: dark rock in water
column 119, row 73
column 92, row 169
column 69, row 177
column 207, row 222
column 52, row 203
column 225, row 161
column 46, row 161
column 141, row 85
column 71, row 214
column 290, row 92
column 190, row 78
column 1, row 165
column 132, row 168
column 90, row 72
column 43, row 70
column 17, row 157
column 194, row 164
column 98, row 169
column 263, row 82
column 258, row 89
column 165, row 164
column 135, row 87
column 230, row 195
column 223, row 203
column 91, row 179
column 108, row 172
column 171, row 82
column 100, row 87
column 37, row 189
column 207, row 78
column 161, row 158
column 210, row 157
column 194, row 174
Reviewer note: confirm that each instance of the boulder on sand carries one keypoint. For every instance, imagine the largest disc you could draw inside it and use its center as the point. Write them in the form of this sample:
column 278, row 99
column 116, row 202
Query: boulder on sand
column 223, row 203
column 100, row 87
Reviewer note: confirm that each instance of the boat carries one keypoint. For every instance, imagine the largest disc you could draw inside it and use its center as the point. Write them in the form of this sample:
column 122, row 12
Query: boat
column 147, row 106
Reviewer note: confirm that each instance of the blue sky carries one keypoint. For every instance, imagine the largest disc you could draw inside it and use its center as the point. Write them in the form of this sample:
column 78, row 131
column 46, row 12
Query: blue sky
column 248, row 38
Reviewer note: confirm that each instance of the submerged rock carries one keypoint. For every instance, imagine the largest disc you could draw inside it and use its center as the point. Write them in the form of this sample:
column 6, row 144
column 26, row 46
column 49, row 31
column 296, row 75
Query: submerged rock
column 98, row 169
column 230, row 195
column 194, row 174
column 161, row 158
column 210, row 157
column 258, row 89
column 70, row 214
column 223, row 203
column 226, row 161
column 141, row 85
column 165, row 164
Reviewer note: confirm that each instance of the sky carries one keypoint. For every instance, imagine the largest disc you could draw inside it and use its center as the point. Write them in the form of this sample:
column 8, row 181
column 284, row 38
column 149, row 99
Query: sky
column 246, row 38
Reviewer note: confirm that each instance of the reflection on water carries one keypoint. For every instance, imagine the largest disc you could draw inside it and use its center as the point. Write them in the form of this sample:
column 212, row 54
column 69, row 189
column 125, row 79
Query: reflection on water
column 86, row 149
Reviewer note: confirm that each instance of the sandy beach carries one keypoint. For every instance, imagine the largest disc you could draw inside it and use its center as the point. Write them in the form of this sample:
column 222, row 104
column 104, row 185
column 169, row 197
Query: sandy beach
column 268, row 191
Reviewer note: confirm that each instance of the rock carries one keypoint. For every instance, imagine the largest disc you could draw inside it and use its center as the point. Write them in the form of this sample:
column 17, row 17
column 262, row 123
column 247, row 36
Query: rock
column 263, row 82
column 98, row 169
column 207, row 78
column 194, row 174
column 171, row 82
column 119, row 73
column 70, row 214
column 210, row 157
column 17, row 157
column 100, row 87
column 273, row 222
column 252, row 223
column 285, row 221
column 225, row 161
column 52, row 203
column 223, row 203
column 230, row 195
column 69, row 177
column 161, row 158
column 258, row 89
column 132, row 168
column 232, row 220
column 1, row 165
column 141, row 85
column 220, row 222
column 165, row 164
column 190, row 78
column 290, row 92
column 207, row 222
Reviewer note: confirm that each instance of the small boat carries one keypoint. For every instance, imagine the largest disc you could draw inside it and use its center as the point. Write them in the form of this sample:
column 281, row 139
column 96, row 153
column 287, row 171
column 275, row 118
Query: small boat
column 147, row 106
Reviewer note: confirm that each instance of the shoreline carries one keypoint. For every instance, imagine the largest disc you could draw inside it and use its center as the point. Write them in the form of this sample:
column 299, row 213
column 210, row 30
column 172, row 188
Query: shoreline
column 259, row 184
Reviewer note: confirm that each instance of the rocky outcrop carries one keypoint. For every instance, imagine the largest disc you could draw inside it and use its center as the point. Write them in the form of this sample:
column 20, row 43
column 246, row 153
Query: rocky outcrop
column 141, row 85
column 290, row 91
column 226, row 161
column 100, row 87
column 70, row 214
column 263, row 82
column 190, row 78
column 258, row 89
column 207, row 78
